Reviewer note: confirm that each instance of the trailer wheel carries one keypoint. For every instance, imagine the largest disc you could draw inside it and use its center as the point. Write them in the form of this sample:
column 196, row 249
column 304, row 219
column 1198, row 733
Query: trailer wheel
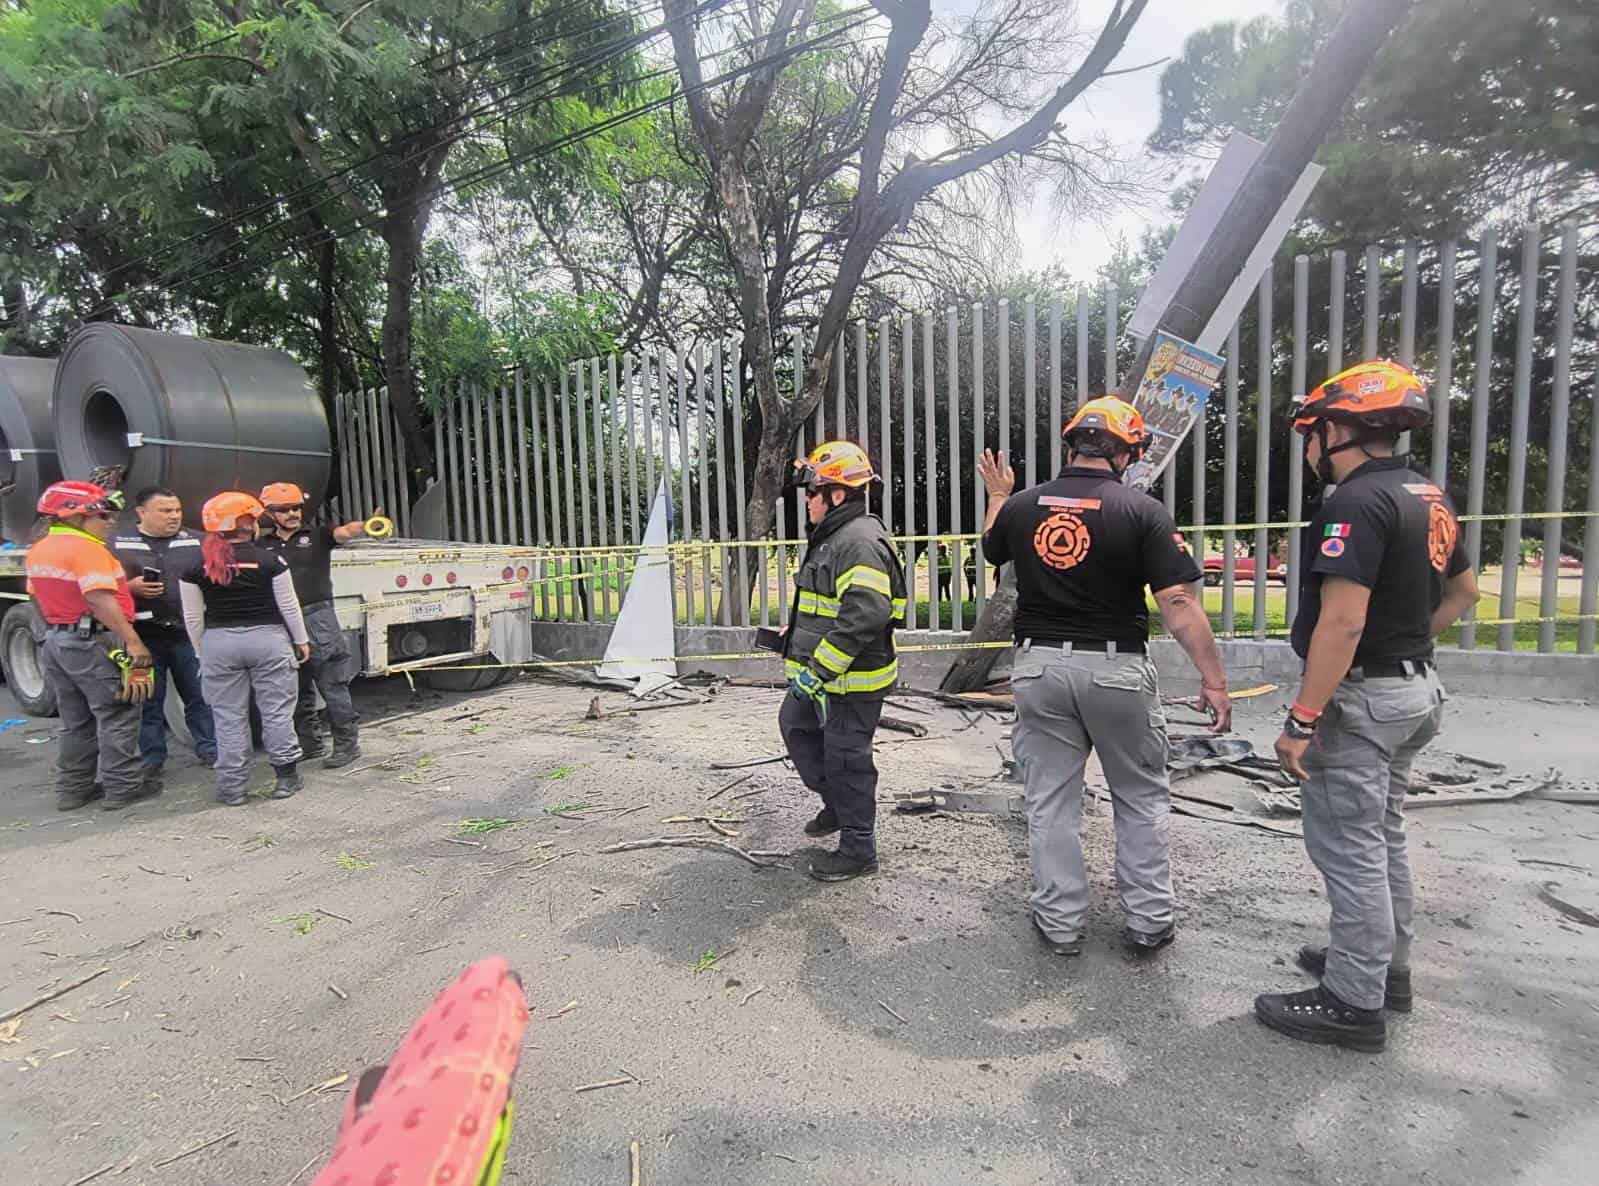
column 20, row 632
column 451, row 678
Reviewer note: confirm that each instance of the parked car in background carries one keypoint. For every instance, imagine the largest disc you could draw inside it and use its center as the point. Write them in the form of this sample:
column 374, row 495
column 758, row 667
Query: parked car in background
column 1244, row 570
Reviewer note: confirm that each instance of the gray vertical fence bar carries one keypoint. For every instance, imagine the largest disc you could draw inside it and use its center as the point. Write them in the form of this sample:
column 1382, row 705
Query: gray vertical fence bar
column 700, row 380
column 1407, row 320
column 1559, row 417
column 438, row 460
column 342, row 452
column 1588, row 605
column 402, row 487
column 930, row 470
column 1054, row 396
column 1262, row 456
column 953, row 370
column 452, row 489
column 619, row 444
column 885, row 439
column 509, row 474
column 369, row 492
column 1482, row 378
column 1296, row 468
column 685, row 484
column 739, row 509
column 580, row 429
column 454, row 426
column 1520, row 404
column 1030, row 389
column 1168, row 485
column 557, row 535
column 468, row 466
column 677, row 566
column 1199, row 489
column 575, row 533
column 1002, row 361
column 863, row 418
column 840, row 369
column 1444, row 377
column 536, row 448
column 600, row 565
column 1112, row 315
column 979, row 428
column 908, row 432
column 719, row 387
column 1229, row 487
column 647, row 421
column 480, row 459
column 1369, row 326
column 631, row 442
column 1082, row 347
column 524, row 481
column 1335, row 313
column 386, row 454
column 494, row 401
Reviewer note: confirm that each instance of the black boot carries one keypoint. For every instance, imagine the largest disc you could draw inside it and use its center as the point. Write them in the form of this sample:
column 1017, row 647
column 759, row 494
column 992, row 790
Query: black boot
column 1316, row 1015
column 1073, row 947
column 69, row 801
column 289, row 780
column 1396, row 995
column 1149, row 942
column 312, row 745
column 838, row 866
column 825, row 823
column 149, row 788
column 346, row 747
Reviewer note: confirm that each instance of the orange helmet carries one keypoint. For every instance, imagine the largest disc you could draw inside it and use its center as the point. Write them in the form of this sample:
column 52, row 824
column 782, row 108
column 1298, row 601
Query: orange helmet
column 835, row 463
column 1116, row 418
column 79, row 498
column 282, row 494
column 1378, row 394
column 222, row 512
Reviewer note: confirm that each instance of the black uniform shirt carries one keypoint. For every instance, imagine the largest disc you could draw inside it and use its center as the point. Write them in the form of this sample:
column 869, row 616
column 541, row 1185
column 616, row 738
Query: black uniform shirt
column 309, row 552
column 1390, row 529
column 173, row 555
column 1085, row 546
column 246, row 600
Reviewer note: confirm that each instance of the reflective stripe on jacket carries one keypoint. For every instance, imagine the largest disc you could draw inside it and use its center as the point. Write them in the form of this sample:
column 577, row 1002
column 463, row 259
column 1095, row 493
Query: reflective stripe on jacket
column 849, row 595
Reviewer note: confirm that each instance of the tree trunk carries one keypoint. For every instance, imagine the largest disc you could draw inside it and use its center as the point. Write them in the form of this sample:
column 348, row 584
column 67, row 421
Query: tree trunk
column 327, row 324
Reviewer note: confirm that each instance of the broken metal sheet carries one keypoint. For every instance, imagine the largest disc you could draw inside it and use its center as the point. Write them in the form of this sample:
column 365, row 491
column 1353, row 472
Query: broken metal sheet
column 950, row 799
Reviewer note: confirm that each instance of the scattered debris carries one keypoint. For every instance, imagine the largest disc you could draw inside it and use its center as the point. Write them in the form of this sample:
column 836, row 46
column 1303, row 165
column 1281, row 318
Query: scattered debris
column 9, row 1030
column 563, row 1010
column 597, row 713
column 757, row 857
column 711, row 958
column 720, row 791
column 632, row 1163
column 1179, row 809
column 1202, row 801
column 752, row 994
column 750, row 762
column 949, row 799
column 330, row 914
column 604, row 1083
column 104, row 1169
column 62, row 913
column 547, row 861
column 196, row 1148
column 351, row 863
column 1575, row 913
column 338, row 992
column 1554, row 864
column 884, row 1005
column 318, row 1088
column 900, row 725
column 479, row 827
column 46, row 998
column 300, row 1173
column 463, row 843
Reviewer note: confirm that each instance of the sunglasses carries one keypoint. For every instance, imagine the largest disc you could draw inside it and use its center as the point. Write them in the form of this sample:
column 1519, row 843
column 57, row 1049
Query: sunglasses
column 286, row 510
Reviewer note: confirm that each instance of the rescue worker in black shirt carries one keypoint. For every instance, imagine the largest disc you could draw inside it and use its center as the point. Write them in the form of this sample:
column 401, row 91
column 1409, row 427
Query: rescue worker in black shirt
column 164, row 548
column 309, row 551
column 1384, row 573
column 838, row 654
column 1085, row 546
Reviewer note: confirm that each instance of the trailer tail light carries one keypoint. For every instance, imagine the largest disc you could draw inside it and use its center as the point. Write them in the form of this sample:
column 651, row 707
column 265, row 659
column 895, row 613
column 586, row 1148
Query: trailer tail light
column 522, row 572
column 400, row 581
column 427, row 578
column 449, row 578
column 507, row 573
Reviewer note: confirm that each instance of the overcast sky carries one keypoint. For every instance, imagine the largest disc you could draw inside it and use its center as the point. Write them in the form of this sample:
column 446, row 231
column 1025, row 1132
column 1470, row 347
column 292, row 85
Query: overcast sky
column 1126, row 109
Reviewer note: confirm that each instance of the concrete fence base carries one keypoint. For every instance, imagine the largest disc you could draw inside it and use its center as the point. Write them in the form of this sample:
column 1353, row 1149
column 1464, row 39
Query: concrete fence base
column 1514, row 675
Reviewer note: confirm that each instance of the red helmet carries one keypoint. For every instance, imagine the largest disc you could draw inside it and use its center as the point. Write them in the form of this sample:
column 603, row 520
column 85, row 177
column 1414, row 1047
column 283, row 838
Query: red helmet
column 80, row 498
column 222, row 512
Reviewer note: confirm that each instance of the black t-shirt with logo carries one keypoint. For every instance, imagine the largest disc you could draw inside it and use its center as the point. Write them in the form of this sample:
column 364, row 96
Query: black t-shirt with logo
column 1085, row 547
column 172, row 555
column 309, row 552
column 1390, row 529
column 246, row 600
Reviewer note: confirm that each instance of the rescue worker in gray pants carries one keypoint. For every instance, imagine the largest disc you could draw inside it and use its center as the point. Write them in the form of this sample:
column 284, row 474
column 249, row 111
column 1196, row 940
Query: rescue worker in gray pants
column 309, row 551
column 92, row 658
column 245, row 623
column 1084, row 547
column 838, row 654
column 1384, row 573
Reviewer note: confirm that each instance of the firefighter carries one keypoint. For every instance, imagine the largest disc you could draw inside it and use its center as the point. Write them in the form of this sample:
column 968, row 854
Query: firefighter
column 154, row 556
column 838, row 654
column 245, row 623
column 309, row 552
column 1085, row 546
column 1384, row 573
column 93, row 660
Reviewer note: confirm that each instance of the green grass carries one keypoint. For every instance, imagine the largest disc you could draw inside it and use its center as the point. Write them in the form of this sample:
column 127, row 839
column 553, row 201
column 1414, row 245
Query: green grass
column 351, row 863
column 302, row 923
column 480, row 827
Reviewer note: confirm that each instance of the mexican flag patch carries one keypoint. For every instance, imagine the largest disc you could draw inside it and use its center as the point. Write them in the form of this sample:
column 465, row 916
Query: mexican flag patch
column 1337, row 531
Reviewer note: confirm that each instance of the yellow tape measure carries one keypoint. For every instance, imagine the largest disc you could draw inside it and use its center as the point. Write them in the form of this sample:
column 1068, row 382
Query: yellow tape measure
column 378, row 527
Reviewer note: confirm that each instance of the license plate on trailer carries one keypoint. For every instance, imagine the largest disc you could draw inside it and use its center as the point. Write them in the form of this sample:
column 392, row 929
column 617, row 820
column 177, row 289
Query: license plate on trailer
column 427, row 610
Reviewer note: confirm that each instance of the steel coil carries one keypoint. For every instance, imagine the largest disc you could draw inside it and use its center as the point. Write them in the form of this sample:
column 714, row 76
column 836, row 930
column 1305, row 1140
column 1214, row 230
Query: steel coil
column 27, row 441
column 194, row 415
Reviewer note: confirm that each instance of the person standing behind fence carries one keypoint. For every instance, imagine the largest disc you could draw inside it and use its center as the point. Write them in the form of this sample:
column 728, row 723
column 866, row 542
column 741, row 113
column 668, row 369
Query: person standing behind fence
column 1085, row 547
column 162, row 546
column 242, row 616
column 81, row 593
column 1383, row 574
column 309, row 554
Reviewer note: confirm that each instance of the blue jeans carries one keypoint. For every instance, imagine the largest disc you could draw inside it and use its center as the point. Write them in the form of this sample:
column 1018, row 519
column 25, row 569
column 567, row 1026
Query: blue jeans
column 174, row 654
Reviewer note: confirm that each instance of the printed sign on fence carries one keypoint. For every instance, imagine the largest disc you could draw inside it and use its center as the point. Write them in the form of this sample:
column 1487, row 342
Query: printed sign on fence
column 1176, row 384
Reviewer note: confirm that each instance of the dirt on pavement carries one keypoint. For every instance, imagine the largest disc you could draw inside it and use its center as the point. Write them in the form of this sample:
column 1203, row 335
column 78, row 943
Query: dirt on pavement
column 906, row 1028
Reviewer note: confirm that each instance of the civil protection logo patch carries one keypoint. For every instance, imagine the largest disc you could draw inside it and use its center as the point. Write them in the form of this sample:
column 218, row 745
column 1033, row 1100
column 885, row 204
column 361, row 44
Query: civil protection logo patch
column 1332, row 546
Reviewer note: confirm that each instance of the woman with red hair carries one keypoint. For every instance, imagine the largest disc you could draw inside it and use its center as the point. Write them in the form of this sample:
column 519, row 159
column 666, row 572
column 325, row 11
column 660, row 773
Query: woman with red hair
column 242, row 615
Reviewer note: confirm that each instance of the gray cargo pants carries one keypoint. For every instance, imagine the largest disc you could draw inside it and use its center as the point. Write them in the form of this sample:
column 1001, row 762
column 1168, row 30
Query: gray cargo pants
column 1354, row 815
column 328, row 671
column 1068, row 703
column 233, row 662
column 97, row 729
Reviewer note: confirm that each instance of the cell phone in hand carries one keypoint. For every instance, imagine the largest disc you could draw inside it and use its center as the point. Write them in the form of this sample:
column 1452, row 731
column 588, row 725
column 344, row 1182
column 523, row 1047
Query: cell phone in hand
column 769, row 640
column 152, row 576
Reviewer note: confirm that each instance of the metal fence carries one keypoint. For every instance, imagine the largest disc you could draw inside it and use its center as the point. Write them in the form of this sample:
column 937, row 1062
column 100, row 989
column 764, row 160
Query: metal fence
column 569, row 463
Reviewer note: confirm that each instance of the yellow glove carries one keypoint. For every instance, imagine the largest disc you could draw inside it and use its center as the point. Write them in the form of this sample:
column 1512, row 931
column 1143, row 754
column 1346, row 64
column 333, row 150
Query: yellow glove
column 138, row 683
